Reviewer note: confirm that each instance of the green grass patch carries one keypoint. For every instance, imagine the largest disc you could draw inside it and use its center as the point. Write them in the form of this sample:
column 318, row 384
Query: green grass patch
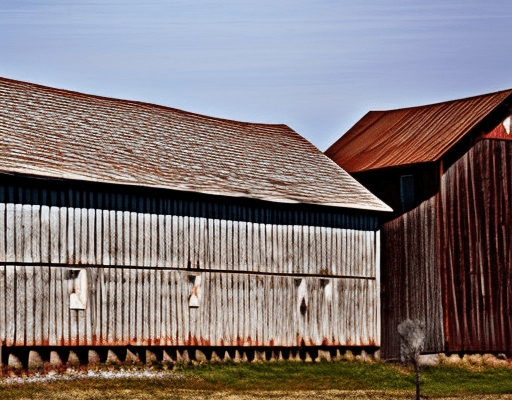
column 439, row 381
column 300, row 376
column 444, row 379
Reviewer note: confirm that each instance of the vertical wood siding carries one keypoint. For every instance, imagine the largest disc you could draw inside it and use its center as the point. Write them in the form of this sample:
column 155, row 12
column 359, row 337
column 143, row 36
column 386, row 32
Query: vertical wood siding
column 454, row 251
column 410, row 278
column 475, row 237
column 142, row 269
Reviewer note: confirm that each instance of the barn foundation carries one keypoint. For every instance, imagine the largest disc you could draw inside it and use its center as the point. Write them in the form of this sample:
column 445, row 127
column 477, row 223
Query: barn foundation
column 35, row 358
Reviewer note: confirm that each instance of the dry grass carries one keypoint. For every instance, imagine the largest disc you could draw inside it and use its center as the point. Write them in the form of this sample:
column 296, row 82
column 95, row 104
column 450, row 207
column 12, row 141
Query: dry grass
column 473, row 378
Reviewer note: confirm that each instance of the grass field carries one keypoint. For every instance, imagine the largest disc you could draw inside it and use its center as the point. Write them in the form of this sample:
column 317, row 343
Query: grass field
column 324, row 380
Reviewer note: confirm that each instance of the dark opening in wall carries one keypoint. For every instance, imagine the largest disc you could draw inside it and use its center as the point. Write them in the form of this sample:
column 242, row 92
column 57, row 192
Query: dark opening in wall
column 407, row 192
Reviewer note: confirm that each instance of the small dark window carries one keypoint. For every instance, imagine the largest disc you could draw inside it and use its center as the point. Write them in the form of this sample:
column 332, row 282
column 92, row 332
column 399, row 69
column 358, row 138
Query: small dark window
column 407, row 192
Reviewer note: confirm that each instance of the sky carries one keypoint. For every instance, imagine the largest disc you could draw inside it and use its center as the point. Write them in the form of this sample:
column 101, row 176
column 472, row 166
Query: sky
column 316, row 66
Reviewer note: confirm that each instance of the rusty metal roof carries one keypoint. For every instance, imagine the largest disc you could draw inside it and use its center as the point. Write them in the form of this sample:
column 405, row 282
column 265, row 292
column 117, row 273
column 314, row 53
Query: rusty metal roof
column 410, row 135
column 62, row 134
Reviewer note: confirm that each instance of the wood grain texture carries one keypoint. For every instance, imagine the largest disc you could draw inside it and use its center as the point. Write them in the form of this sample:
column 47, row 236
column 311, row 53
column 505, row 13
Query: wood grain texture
column 248, row 292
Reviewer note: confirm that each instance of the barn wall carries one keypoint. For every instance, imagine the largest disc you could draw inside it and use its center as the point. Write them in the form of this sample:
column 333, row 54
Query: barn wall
column 476, row 199
column 141, row 270
column 411, row 283
column 453, row 253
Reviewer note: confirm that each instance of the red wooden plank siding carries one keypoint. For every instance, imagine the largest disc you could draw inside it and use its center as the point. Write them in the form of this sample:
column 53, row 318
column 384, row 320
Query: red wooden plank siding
column 480, row 249
column 453, row 252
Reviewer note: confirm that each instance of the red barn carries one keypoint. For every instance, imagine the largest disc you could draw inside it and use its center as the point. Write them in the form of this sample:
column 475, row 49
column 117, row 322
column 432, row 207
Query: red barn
column 446, row 170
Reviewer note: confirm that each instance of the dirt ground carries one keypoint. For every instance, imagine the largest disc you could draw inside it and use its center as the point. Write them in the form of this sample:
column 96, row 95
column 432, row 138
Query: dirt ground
column 187, row 394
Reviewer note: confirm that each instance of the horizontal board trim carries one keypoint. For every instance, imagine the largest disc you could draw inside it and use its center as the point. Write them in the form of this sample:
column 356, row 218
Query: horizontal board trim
column 202, row 270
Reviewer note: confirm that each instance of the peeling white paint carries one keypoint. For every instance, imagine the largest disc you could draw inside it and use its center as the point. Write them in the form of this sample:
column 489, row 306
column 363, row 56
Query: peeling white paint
column 506, row 124
column 78, row 292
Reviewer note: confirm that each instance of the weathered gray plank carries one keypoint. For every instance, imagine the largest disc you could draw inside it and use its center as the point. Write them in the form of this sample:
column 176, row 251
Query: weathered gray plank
column 99, row 241
column 119, row 304
column 261, row 315
column 113, row 237
column 31, row 301
column 249, row 246
column 270, row 305
column 71, row 315
column 62, row 313
column 146, row 315
column 112, row 303
column 10, row 233
column 238, row 310
column 245, row 309
column 180, row 303
column 279, row 245
column 223, row 245
column 270, row 263
column 255, row 250
column 141, row 235
column 193, row 312
column 75, row 228
column 119, row 239
column 52, row 308
column 166, row 310
column 154, row 240
column 10, row 301
column 195, row 237
column 205, row 310
column 168, row 241
column 161, row 241
column 91, row 295
column 176, row 243
column 84, row 236
column 18, row 232
column 151, row 295
column 252, row 310
column 202, row 243
column 173, row 292
column 377, row 289
column 45, row 233
column 185, row 235
column 134, row 251
column 140, row 306
column 123, row 277
column 158, row 306
column 229, row 239
column 73, row 233
column 20, row 305
column 216, row 239
column 82, row 332
column 91, row 225
column 2, row 300
column 25, row 245
column 243, row 250
column 2, row 232
column 133, row 311
column 306, row 244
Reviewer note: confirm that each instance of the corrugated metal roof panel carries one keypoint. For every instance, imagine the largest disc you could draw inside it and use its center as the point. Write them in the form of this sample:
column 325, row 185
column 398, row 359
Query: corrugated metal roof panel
column 62, row 134
column 411, row 135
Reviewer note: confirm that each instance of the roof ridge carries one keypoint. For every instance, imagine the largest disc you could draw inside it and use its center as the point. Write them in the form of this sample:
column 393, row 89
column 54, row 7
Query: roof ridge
column 446, row 102
column 136, row 103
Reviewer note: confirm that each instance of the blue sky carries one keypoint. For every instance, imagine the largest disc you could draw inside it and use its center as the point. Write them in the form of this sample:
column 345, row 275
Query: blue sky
column 317, row 66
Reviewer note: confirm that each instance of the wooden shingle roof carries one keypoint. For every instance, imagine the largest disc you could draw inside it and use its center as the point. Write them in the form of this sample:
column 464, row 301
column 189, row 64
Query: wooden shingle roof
column 61, row 134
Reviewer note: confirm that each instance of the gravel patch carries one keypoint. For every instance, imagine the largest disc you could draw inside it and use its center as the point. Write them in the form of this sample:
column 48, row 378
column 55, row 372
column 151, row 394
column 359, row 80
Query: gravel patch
column 72, row 374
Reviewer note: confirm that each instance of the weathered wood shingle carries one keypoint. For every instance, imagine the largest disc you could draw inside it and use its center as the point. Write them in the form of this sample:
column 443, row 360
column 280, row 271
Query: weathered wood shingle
column 61, row 134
